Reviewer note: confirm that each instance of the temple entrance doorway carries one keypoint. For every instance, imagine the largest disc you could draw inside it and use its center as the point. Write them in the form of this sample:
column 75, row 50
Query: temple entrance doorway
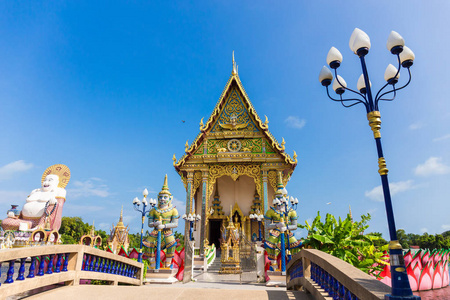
column 214, row 232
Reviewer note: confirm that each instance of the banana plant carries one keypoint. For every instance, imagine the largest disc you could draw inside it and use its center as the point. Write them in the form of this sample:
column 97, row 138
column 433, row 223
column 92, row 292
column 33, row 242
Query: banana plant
column 346, row 240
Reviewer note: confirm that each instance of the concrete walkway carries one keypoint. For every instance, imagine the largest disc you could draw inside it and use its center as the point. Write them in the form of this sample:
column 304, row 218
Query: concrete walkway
column 198, row 291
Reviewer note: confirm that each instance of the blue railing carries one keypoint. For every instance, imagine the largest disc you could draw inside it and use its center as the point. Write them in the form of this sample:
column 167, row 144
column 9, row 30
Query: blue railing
column 331, row 285
column 63, row 263
column 324, row 275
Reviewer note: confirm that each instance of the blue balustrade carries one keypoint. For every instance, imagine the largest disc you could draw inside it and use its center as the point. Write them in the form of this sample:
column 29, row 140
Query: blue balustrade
column 66, row 262
column 32, row 267
column 50, row 264
column 96, row 264
column 10, row 273
column 41, row 266
column 100, row 267
column 331, row 285
column 108, row 269
column 21, row 269
column 58, row 263
column 91, row 263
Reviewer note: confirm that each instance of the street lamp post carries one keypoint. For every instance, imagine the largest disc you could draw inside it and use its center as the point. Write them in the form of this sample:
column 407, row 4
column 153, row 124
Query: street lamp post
column 258, row 217
column 137, row 203
column 360, row 45
column 191, row 218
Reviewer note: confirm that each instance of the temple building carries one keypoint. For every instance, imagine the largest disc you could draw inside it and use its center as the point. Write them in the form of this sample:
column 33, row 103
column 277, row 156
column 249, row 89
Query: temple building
column 118, row 237
column 232, row 166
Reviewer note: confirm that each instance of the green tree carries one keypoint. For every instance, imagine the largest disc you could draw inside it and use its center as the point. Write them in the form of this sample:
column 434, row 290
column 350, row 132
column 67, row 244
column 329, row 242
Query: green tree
column 72, row 229
column 403, row 238
column 346, row 240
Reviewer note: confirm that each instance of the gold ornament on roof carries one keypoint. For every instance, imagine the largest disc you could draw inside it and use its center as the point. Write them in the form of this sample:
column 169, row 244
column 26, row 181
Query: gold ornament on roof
column 186, row 146
column 201, row 124
column 266, row 122
column 282, row 143
column 233, row 124
column 62, row 171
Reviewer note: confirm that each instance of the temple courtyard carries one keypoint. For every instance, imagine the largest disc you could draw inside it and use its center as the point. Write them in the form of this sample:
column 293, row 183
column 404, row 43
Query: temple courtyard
column 193, row 290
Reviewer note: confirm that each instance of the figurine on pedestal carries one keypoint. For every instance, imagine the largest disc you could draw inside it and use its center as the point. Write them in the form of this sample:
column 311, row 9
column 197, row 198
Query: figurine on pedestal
column 163, row 218
column 282, row 221
column 43, row 207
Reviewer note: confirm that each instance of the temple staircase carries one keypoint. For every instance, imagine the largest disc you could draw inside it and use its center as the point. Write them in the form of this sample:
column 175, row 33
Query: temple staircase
column 215, row 266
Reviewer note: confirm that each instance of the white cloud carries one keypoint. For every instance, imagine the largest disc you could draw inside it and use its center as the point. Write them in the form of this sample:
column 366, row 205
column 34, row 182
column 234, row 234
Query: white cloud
column 7, row 171
column 444, row 137
column 415, row 126
column 90, row 187
column 432, row 166
column 376, row 193
column 295, row 122
column 445, row 227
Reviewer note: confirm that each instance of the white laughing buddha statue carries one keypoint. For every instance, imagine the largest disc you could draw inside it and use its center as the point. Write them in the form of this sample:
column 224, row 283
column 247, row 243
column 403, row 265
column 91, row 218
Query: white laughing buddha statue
column 43, row 207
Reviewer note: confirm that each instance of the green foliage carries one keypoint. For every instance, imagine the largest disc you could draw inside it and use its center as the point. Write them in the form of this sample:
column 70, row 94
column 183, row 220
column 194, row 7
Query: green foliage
column 180, row 240
column 424, row 241
column 346, row 240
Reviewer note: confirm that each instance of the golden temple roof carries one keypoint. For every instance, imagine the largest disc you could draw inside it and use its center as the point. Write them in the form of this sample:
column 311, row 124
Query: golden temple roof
column 206, row 130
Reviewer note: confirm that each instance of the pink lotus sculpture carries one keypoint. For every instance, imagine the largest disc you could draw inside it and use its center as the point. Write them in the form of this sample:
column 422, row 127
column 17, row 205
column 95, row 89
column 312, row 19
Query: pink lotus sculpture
column 426, row 270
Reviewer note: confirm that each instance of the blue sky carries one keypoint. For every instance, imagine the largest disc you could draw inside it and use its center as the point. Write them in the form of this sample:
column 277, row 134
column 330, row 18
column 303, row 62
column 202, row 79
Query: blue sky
column 104, row 88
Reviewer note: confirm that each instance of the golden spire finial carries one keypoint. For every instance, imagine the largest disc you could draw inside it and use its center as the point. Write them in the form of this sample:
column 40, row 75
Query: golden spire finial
column 165, row 188
column 201, row 124
column 120, row 223
column 234, row 71
column 186, row 146
column 174, row 158
column 295, row 156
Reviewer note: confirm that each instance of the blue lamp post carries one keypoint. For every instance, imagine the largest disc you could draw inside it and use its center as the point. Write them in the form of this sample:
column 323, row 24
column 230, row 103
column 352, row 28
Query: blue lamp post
column 143, row 211
column 259, row 218
column 191, row 218
column 360, row 45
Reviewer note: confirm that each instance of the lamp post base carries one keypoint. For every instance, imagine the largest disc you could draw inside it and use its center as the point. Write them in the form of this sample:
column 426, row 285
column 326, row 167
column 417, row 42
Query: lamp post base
column 391, row 297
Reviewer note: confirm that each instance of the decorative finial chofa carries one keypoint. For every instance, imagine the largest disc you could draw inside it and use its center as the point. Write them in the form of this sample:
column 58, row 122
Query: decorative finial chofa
column 234, row 72
column 266, row 122
column 282, row 143
column 201, row 124
column 174, row 158
column 295, row 156
column 186, row 146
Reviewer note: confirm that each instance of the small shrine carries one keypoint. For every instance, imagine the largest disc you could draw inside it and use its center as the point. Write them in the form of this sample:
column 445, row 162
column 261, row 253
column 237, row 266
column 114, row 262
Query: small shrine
column 91, row 239
column 118, row 237
column 230, row 259
column 233, row 163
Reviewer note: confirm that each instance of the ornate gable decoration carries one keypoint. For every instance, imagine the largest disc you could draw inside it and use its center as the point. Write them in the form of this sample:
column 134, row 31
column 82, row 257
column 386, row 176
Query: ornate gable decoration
column 234, row 116
column 233, row 131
